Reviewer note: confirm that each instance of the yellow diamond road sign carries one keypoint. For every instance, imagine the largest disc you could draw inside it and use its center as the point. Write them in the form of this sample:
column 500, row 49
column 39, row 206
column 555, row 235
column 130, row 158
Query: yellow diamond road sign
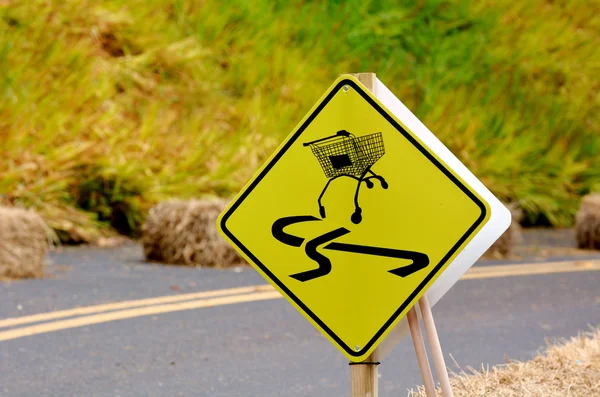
column 353, row 218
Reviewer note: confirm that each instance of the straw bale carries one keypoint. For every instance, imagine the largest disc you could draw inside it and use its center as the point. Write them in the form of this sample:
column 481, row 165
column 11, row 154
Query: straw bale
column 567, row 369
column 505, row 245
column 24, row 243
column 185, row 233
column 587, row 223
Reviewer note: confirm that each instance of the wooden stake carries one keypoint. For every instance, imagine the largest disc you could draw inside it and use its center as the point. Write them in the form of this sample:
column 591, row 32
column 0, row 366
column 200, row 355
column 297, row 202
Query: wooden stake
column 436, row 348
column 419, row 343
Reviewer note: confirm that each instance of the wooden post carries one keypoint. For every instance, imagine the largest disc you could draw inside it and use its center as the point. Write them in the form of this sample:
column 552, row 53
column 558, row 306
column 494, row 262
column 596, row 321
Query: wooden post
column 368, row 80
column 419, row 343
column 364, row 377
column 435, row 346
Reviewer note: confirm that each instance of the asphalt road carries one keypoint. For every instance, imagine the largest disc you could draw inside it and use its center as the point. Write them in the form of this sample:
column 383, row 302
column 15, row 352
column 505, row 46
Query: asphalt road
column 254, row 348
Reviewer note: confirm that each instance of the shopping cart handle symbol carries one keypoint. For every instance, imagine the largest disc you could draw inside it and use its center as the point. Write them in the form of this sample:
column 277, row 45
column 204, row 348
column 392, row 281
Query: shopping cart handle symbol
column 419, row 259
column 342, row 133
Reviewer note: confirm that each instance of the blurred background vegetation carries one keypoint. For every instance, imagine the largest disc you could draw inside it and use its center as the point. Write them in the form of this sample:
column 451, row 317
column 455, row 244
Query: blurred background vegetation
column 107, row 107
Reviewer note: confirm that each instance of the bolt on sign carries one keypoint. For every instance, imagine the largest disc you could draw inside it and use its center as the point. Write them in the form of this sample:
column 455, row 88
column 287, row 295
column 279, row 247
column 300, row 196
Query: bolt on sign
column 353, row 218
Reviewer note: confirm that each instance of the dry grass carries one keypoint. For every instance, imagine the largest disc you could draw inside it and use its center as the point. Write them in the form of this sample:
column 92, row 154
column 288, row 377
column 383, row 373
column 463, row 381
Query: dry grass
column 185, row 233
column 24, row 242
column 569, row 369
column 587, row 224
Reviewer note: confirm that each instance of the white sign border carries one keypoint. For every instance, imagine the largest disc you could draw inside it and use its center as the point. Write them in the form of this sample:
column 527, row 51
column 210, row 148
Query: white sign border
column 498, row 223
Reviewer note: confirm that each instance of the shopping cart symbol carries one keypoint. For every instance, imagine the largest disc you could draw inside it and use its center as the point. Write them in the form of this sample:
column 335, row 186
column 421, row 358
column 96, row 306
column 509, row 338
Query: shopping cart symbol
column 344, row 154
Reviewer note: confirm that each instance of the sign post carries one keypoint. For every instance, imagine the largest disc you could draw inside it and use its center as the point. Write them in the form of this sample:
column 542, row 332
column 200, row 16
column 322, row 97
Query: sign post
column 354, row 217
column 364, row 376
column 361, row 375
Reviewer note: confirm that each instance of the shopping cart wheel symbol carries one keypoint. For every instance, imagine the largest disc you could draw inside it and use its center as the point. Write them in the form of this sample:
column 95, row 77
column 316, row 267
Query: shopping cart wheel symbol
column 343, row 154
column 356, row 217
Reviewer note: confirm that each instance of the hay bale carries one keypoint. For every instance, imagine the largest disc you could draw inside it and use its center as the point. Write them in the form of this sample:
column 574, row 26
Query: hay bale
column 505, row 245
column 185, row 233
column 587, row 223
column 24, row 243
column 568, row 369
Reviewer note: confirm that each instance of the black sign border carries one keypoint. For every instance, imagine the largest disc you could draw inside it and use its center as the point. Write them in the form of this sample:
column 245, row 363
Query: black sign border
column 412, row 140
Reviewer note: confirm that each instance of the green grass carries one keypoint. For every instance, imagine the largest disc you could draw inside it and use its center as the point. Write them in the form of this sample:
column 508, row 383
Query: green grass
column 107, row 107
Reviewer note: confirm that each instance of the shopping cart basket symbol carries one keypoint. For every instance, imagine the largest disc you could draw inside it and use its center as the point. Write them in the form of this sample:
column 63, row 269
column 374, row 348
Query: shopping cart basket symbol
column 344, row 154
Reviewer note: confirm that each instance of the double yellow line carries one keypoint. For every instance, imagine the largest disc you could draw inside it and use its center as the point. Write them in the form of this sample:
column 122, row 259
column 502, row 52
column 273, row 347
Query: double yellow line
column 130, row 309
column 20, row 327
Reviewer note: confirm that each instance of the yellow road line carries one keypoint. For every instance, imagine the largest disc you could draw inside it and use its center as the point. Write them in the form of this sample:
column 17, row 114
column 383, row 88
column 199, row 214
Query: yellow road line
column 529, row 269
column 132, row 313
column 144, row 307
column 78, row 311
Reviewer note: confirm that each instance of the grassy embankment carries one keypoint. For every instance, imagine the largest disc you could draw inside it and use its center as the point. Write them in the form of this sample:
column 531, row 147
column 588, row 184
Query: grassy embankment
column 107, row 107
